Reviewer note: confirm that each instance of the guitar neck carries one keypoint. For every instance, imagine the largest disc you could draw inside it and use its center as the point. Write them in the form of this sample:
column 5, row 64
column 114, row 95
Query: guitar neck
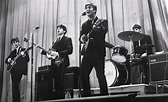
column 25, row 39
column 41, row 48
column 44, row 49
column 17, row 57
column 20, row 53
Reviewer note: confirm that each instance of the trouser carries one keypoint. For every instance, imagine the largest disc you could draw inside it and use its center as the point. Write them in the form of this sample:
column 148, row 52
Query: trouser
column 58, row 77
column 88, row 62
column 16, row 77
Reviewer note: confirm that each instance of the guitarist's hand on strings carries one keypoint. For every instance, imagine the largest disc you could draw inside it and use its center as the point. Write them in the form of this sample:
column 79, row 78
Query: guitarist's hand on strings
column 84, row 38
column 52, row 54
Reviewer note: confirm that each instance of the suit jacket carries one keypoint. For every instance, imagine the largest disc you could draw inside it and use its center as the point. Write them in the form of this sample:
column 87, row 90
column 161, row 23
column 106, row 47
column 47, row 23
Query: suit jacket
column 21, row 63
column 146, row 40
column 64, row 48
column 96, row 36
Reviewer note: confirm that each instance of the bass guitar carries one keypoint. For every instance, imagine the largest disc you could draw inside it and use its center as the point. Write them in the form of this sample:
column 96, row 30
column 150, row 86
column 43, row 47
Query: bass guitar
column 13, row 62
column 51, row 54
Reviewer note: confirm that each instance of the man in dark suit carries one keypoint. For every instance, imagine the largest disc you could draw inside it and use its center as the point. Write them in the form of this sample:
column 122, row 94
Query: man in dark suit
column 144, row 41
column 93, row 37
column 142, row 48
column 61, row 48
column 19, row 66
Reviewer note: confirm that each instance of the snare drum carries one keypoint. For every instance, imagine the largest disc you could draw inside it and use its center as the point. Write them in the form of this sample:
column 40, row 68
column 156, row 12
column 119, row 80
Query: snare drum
column 115, row 74
column 119, row 54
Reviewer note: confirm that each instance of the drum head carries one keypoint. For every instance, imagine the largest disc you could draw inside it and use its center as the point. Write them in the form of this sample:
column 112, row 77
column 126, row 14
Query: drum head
column 119, row 54
column 118, row 58
column 110, row 73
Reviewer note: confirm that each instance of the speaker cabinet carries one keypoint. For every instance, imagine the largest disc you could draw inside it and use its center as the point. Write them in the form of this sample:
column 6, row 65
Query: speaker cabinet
column 158, row 67
column 71, row 77
column 44, row 82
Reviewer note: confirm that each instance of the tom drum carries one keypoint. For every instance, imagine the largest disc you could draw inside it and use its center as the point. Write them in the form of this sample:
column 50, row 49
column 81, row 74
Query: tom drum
column 119, row 54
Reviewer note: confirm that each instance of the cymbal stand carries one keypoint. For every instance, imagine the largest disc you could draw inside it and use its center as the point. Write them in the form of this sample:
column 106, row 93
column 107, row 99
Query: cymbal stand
column 147, row 69
column 131, row 56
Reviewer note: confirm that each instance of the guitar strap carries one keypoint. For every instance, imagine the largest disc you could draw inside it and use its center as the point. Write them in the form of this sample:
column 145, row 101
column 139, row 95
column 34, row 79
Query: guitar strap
column 95, row 21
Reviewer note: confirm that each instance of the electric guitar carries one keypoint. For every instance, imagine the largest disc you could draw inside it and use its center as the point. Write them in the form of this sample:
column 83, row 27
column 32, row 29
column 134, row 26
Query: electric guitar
column 13, row 62
column 51, row 54
column 98, row 24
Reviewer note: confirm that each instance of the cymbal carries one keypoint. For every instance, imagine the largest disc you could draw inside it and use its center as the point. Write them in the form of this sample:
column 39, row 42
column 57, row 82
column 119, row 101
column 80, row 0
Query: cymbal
column 128, row 35
column 146, row 46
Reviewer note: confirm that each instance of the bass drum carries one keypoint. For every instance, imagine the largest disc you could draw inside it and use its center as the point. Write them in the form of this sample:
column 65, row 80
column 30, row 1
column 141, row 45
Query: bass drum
column 116, row 74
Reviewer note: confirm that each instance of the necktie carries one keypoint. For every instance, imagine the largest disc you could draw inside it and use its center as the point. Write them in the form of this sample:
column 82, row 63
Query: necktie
column 59, row 39
column 18, row 51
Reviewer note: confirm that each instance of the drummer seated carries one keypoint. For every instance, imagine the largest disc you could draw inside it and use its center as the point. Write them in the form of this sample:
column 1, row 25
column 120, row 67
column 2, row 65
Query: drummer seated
column 143, row 47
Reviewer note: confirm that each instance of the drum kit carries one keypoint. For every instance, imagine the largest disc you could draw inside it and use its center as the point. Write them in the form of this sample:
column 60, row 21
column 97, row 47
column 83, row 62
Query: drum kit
column 116, row 73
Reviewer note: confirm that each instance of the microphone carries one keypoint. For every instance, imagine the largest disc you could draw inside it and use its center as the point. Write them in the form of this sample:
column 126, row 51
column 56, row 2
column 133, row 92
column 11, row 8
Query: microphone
column 37, row 27
column 84, row 13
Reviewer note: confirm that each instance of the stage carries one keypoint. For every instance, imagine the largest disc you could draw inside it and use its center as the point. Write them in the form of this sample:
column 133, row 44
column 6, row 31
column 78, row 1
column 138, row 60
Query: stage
column 123, row 93
column 139, row 89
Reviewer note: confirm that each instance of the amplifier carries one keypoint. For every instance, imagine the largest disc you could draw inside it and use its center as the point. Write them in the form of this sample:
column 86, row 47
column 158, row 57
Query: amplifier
column 158, row 67
column 45, row 68
column 44, row 83
column 71, row 77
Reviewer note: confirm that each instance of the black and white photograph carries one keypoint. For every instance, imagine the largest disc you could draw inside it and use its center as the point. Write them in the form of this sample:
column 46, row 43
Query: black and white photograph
column 83, row 50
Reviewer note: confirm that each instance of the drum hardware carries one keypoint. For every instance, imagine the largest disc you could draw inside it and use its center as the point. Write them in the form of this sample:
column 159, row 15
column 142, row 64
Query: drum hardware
column 136, row 61
column 146, row 46
column 130, row 36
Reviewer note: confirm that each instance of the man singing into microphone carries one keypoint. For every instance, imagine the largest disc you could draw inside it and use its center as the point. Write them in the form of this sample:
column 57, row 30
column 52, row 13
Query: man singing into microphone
column 93, row 37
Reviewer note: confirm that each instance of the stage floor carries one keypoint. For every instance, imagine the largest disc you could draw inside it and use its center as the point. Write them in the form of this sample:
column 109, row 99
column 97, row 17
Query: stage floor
column 123, row 93
column 139, row 89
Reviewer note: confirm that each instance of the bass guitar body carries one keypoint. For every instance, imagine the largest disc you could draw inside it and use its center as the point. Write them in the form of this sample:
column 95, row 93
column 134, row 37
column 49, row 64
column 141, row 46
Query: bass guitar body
column 51, row 54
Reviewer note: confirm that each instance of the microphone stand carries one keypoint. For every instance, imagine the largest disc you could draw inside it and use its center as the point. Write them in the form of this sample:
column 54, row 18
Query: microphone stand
column 32, row 66
column 79, row 80
column 32, row 59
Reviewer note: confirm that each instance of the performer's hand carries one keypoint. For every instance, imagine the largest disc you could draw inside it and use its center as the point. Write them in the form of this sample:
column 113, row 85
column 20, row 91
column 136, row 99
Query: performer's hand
column 96, row 28
column 23, row 53
column 143, row 55
column 10, row 60
column 37, row 46
column 54, row 54
column 84, row 38
column 48, row 56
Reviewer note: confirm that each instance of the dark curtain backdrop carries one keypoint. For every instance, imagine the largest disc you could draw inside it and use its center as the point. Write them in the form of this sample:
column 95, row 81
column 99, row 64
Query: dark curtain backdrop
column 19, row 17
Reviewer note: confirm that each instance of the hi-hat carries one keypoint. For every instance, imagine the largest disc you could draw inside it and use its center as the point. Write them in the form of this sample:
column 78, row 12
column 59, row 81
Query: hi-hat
column 130, row 35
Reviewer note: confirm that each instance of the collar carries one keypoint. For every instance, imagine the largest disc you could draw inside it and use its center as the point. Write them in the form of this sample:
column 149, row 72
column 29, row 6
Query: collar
column 92, row 18
column 60, row 37
column 18, row 48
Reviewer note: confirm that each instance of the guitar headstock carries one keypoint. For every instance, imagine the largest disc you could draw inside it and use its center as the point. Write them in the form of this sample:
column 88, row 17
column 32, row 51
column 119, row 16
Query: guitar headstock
column 26, row 39
column 101, row 23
